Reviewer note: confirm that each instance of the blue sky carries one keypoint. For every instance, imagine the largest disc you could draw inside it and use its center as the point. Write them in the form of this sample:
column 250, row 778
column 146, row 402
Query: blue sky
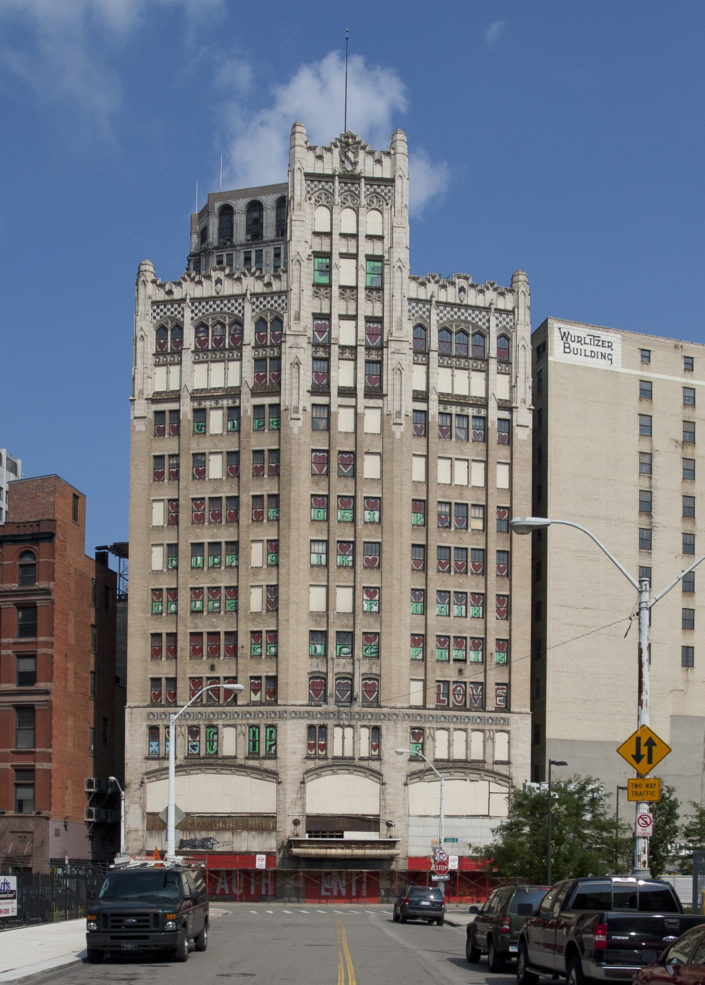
column 561, row 138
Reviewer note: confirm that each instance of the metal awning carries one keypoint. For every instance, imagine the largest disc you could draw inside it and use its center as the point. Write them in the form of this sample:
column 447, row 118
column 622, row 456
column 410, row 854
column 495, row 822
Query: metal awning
column 344, row 847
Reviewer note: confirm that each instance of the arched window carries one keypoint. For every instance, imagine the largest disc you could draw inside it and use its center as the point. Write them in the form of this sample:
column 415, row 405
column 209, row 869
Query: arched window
column 321, row 219
column 226, row 224
column 280, row 218
column 374, row 223
column 348, row 222
column 419, row 338
column 235, row 335
column 201, row 336
column 503, row 348
column 275, row 331
column 478, row 345
column 445, row 340
column 177, row 338
column 162, row 338
column 254, row 221
column 261, row 332
column 461, row 342
column 218, row 335
column 27, row 569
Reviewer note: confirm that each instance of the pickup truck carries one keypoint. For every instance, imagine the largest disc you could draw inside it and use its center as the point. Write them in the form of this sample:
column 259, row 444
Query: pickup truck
column 602, row 928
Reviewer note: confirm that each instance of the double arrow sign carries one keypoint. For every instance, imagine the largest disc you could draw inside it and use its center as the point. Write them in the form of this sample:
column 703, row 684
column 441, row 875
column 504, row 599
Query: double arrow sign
column 643, row 750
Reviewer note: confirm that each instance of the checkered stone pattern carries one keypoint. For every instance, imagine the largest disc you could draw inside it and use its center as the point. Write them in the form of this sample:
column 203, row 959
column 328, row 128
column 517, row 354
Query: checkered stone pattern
column 505, row 320
column 270, row 302
column 322, row 191
column 477, row 316
column 167, row 309
column 420, row 309
column 207, row 306
column 375, row 193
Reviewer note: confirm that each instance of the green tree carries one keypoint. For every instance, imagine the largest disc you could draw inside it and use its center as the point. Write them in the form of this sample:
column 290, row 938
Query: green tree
column 664, row 842
column 582, row 832
column 692, row 836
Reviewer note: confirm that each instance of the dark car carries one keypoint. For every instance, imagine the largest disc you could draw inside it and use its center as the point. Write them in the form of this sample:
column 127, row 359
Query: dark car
column 495, row 929
column 148, row 909
column 682, row 962
column 422, row 903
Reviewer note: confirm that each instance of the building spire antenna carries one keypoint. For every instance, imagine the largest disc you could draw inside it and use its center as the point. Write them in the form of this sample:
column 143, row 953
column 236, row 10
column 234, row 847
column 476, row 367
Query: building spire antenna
column 347, row 42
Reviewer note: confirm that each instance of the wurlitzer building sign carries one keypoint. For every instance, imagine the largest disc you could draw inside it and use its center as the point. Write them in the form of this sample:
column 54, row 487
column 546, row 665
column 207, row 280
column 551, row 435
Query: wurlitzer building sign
column 587, row 347
column 8, row 896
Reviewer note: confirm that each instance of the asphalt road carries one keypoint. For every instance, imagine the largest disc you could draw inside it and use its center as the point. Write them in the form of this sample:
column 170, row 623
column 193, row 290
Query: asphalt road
column 302, row 944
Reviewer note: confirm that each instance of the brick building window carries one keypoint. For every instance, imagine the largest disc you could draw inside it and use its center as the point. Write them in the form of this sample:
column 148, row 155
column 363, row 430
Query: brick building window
column 24, row 791
column 27, row 569
column 24, row 728
column 26, row 670
column 26, row 621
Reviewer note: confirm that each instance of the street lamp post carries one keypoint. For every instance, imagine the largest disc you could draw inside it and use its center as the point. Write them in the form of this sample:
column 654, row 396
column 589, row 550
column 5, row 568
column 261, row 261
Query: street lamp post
column 527, row 524
column 114, row 779
column 170, row 812
column 441, row 819
column 616, row 824
column 551, row 762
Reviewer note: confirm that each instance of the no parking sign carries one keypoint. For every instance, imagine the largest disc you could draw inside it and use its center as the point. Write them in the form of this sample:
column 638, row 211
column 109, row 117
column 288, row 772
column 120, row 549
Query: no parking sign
column 644, row 825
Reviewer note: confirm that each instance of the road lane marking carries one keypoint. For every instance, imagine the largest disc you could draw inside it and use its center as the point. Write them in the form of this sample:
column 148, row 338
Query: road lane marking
column 344, row 953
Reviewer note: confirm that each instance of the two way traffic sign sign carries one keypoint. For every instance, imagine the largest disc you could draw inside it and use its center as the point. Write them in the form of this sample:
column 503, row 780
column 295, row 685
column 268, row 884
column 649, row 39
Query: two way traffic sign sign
column 643, row 750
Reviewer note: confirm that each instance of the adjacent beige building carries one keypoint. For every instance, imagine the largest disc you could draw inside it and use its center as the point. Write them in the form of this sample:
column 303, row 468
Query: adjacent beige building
column 615, row 426
column 326, row 453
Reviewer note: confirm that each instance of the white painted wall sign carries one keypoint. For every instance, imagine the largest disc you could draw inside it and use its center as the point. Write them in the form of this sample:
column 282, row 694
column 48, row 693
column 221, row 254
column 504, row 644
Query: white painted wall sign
column 587, row 347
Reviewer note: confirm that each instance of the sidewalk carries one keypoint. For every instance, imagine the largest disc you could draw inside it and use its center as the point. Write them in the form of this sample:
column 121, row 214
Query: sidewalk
column 28, row 951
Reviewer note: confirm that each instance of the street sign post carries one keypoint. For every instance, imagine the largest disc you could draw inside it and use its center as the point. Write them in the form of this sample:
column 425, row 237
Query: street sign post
column 440, row 861
column 643, row 750
column 644, row 789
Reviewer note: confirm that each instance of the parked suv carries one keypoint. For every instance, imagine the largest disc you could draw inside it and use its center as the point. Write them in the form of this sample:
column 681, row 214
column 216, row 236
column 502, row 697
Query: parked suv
column 495, row 929
column 148, row 909
column 422, row 902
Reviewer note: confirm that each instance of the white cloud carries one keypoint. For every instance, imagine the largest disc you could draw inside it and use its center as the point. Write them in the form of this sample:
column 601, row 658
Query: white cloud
column 258, row 140
column 493, row 32
column 429, row 180
column 63, row 46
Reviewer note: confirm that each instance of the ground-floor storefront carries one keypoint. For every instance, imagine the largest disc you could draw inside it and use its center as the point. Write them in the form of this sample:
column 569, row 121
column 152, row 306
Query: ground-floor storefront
column 253, row 878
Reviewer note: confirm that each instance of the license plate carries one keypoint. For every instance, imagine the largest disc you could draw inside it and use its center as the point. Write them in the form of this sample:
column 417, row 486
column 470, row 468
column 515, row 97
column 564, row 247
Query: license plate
column 513, row 948
column 425, row 902
column 129, row 946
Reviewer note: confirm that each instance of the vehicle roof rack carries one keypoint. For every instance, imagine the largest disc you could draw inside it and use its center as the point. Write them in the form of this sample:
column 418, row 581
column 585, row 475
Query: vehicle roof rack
column 155, row 861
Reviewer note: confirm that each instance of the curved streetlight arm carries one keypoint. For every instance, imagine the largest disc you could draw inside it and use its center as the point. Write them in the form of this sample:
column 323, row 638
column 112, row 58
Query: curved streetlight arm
column 410, row 752
column 526, row 524
column 441, row 814
column 114, row 779
column 672, row 584
column 170, row 807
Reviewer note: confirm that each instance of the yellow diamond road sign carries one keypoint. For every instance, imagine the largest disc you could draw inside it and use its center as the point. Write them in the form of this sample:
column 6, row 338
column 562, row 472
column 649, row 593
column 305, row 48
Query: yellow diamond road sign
column 643, row 750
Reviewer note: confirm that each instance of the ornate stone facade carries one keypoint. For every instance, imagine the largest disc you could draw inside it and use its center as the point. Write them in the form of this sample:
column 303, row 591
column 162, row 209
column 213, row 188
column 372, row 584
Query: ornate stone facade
column 321, row 483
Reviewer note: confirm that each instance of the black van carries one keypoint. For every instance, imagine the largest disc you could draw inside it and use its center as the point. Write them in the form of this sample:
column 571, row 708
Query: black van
column 148, row 909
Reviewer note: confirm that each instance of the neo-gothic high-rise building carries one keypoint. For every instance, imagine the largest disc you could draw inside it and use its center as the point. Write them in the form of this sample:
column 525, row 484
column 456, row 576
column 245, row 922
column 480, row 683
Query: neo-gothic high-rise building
column 326, row 453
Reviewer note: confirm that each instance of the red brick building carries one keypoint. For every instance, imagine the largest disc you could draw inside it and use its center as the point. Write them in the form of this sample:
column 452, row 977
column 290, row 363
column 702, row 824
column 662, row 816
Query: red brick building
column 61, row 734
